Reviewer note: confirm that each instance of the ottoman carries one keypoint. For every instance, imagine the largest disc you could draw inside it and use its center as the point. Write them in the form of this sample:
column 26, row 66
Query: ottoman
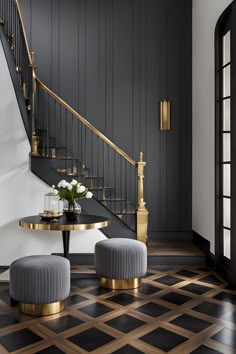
column 40, row 284
column 120, row 263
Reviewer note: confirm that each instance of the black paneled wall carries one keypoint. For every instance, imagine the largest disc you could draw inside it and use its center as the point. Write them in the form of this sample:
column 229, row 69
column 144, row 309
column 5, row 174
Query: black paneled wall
column 113, row 61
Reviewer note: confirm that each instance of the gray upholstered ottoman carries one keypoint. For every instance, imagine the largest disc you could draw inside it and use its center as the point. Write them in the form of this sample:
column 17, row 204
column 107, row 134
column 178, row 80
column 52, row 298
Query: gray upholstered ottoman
column 121, row 263
column 40, row 284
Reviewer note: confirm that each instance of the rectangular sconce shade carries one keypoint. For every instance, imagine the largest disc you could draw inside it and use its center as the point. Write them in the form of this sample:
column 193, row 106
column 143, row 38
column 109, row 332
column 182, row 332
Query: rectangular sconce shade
column 165, row 115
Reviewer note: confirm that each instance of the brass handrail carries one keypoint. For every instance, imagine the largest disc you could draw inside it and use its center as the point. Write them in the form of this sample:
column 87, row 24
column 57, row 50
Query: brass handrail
column 23, row 31
column 85, row 122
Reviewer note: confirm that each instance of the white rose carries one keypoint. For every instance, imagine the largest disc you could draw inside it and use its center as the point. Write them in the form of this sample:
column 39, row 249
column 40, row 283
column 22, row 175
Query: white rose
column 69, row 186
column 73, row 182
column 53, row 191
column 81, row 189
column 89, row 195
column 62, row 184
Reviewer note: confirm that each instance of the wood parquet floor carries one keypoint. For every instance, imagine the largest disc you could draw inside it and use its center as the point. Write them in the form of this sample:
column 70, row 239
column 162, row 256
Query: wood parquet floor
column 177, row 310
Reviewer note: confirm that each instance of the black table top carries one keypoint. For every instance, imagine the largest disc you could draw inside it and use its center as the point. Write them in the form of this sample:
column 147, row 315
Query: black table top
column 83, row 222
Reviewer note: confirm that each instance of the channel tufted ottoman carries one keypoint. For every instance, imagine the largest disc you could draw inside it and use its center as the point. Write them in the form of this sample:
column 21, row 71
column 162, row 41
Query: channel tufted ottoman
column 121, row 263
column 40, row 284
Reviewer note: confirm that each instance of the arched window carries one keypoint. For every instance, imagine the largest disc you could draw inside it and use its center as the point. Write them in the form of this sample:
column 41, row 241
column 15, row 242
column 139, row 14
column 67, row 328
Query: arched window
column 225, row 131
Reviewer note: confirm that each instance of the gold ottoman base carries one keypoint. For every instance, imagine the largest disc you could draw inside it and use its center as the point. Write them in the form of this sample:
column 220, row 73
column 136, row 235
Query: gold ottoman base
column 121, row 283
column 42, row 309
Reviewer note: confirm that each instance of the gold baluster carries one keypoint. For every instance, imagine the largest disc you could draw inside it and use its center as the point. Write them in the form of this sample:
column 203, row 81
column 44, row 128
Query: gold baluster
column 141, row 212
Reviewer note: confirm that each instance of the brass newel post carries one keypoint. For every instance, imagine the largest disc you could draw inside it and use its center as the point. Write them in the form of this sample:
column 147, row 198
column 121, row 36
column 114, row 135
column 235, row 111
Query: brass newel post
column 35, row 140
column 141, row 212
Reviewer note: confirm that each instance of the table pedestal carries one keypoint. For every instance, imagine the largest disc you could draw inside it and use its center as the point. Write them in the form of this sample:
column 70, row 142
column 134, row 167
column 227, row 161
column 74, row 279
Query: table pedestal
column 66, row 243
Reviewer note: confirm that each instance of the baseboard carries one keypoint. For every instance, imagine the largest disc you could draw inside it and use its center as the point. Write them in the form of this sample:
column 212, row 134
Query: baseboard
column 170, row 236
column 204, row 246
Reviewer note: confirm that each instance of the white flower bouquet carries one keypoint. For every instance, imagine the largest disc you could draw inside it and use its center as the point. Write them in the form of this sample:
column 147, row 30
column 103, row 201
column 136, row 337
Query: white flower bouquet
column 71, row 192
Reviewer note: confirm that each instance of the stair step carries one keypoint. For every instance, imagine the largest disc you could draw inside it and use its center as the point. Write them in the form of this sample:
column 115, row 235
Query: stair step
column 124, row 212
column 65, row 172
column 94, row 181
column 113, row 200
column 94, row 177
column 45, row 147
column 100, row 188
column 175, row 253
column 64, row 158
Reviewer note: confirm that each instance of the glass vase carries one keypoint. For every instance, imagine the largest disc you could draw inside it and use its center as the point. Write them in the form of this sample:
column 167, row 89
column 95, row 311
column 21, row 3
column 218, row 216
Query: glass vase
column 72, row 210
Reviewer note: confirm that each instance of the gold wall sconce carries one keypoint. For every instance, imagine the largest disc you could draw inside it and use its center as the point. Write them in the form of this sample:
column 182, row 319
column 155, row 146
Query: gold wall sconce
column 165, row 115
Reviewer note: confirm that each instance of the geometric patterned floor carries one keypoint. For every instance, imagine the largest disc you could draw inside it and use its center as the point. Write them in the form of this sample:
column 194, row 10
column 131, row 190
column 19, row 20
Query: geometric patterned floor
column 177, row 310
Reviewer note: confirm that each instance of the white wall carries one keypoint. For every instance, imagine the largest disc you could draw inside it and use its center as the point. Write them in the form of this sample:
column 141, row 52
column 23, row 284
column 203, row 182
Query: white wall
column 21, row 192
column 205, row 17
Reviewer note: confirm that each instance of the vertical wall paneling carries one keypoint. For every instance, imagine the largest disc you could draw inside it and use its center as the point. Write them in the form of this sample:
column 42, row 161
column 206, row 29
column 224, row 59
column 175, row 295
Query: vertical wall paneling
column 122, row 74
column 162, row 134
column 55, row 55
column 173, row 76
column 113, row 61
column 82, row 57
column 109, row 67
column 101, row 88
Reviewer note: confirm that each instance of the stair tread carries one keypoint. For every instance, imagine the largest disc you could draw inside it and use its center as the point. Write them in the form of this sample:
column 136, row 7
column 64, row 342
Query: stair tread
column 75, row 174
column 127, row 212
column 113, row 200
column 65, row 172
column 65, row 158
column 52, row 147
column 56, row 157
column 95, row 188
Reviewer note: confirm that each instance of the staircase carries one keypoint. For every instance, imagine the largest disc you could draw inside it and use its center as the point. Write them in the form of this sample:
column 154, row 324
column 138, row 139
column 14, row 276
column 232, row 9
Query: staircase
column 65, row 145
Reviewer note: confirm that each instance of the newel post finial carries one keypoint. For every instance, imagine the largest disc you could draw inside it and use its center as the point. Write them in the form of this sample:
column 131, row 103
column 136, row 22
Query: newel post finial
column 141, row 212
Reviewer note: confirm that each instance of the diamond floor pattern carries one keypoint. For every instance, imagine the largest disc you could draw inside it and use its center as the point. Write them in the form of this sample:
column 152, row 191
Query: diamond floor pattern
column 176, row 310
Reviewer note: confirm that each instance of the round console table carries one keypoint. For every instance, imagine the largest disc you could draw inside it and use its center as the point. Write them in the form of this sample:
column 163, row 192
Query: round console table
column 84, row 222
